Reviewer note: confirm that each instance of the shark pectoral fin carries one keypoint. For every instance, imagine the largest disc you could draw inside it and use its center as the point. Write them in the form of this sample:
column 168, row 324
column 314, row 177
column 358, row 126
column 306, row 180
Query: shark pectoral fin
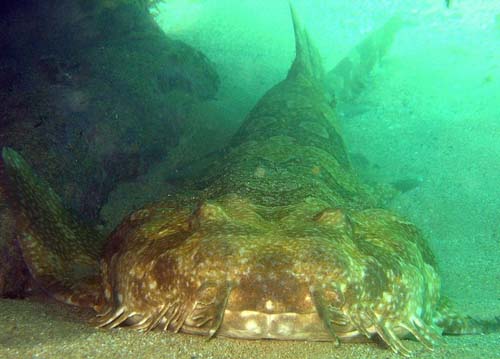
column 61, row 253
column 454, row 323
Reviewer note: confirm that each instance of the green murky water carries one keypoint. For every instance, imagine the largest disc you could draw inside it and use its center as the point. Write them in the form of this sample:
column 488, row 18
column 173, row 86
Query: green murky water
column 427, row 119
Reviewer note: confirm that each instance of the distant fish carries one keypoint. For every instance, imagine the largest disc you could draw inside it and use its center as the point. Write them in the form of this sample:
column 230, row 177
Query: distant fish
column 406, row 184
column 448, row 3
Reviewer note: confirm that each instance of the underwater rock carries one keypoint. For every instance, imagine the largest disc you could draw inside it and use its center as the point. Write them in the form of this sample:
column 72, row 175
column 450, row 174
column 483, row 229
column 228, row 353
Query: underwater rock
column 279, row 241
column 183, row 73
column 86, row 92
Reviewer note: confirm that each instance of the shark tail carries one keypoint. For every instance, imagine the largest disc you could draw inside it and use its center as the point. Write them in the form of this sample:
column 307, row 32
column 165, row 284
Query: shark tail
column 61, row 253
column 346, row 80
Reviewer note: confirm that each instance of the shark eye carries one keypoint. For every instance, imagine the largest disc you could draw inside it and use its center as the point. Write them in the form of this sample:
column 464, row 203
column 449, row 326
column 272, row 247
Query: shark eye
column 207, row 212
column 336, row 217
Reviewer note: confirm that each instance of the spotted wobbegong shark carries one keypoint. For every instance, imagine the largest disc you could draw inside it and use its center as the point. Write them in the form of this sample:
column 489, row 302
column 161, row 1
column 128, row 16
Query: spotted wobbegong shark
column 280, row 240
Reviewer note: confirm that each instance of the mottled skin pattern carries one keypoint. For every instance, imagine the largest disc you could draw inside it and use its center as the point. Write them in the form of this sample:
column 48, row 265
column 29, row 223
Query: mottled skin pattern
column 279, row 241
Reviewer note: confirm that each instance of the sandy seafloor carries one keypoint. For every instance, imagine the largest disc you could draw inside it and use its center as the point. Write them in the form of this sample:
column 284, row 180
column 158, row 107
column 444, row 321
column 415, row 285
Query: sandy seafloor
column 429, row 114
column 34, row 329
